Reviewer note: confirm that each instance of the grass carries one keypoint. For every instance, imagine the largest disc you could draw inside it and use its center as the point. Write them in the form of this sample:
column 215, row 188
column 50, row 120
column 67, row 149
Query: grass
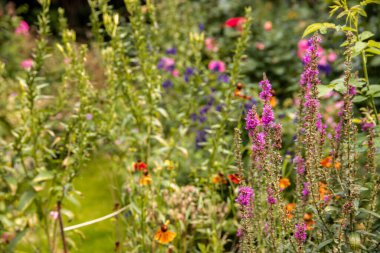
column 97, row 201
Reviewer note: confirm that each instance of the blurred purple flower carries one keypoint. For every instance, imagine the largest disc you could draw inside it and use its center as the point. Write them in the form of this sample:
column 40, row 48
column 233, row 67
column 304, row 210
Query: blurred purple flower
column 172, row 50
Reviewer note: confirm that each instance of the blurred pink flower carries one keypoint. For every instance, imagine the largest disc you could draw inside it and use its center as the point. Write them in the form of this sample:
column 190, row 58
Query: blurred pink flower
column 260, row 46
column 23, row 28
column 53, row 215
column 217, row 66
column 332, row 56
column 210, row 44
column 268, row 26
column 339, row 104
column 26, row 64
column 175, row 73
column 302, row 48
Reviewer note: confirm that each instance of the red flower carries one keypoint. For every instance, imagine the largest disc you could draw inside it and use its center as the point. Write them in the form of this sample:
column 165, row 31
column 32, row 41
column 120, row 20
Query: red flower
column 139, row 165
column 235, row 178
column 235, row 22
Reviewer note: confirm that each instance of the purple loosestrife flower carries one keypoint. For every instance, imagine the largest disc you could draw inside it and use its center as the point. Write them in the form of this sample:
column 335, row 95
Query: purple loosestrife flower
column 268, row 115
column 246, row 196
column 300, row 233
column 366, row 125
column 271, row 199
column 258, row 142
column 305, row 191
column 300, row 167
column 352, row 90
column 266, row 87
column 251, row 120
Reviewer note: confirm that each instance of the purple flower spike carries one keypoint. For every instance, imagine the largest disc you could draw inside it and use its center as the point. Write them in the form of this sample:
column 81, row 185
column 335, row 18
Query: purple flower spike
column 246, row 196
column 268, row 115
column 300, row 233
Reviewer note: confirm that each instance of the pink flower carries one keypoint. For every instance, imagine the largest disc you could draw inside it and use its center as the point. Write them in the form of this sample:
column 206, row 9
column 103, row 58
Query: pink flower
column 54, row 215
column 26, row 64
column 268, row 26
column 22, row 29
column 175, row 73
column 210, row 44
column 332, row 56
column 217, row 66
column 236, row 22
column 303, row 45
column 260, row 46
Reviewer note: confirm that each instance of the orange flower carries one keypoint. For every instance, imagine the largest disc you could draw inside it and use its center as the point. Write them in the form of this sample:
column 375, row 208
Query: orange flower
column 323, row 192
column 164, row 235
column 219, row 179
column 273, row 101
column 289, row 210
column 284, row 183
column 308, row 218
column 235, row 178
column 326, row 162
column 145, row 179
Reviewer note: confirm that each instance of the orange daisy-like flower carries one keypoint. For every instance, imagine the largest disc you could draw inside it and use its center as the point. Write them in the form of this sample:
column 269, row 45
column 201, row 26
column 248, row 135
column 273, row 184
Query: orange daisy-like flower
column 164, row 235
column 324, row 193
column 308, row 218
column 235, row 178
column 145, row 180
column 326, row 162
column 284, row 183
column 219, row 179
column 289, row 208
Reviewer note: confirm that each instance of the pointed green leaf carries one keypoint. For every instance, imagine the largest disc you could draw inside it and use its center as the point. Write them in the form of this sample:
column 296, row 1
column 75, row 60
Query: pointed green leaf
column 43, row 176
column 26, row 200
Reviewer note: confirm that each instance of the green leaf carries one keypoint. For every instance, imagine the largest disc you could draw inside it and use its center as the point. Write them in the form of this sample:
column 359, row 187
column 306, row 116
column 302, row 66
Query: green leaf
column 358, row 99
column 372, row 43
column 183, row 151
column 369, row 212
column 317, row 26
column 324, row 244
column 373, row 50
column 324, row 89
column 372, row 1
column 365, row 35
column 16, row 240
column 43, row 176
column 163, row 112
column 359, row 47
column 373, row 89
column 26, row 200
column 12, row 183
